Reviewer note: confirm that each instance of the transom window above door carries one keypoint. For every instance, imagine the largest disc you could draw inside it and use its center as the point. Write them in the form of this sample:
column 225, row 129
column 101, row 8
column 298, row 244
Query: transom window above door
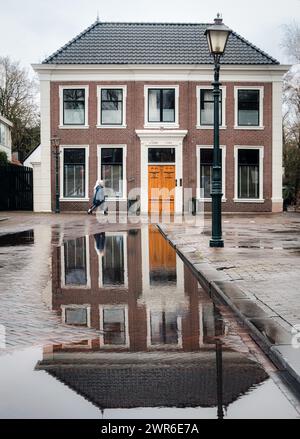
column 161, row 155
column 161, row 106
column 111, row 107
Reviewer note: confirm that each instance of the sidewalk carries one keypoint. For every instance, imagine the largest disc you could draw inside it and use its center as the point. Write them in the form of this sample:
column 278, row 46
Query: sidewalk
column 257, row 274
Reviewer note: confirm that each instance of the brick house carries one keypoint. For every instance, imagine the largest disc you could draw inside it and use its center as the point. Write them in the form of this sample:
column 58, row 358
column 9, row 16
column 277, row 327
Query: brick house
column 132, row 105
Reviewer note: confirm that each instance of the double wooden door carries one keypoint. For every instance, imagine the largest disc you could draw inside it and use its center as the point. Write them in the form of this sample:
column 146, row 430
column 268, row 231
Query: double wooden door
column 161, row 188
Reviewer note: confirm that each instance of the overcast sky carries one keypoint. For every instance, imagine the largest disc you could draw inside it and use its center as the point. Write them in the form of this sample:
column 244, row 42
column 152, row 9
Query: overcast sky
column 30, row 30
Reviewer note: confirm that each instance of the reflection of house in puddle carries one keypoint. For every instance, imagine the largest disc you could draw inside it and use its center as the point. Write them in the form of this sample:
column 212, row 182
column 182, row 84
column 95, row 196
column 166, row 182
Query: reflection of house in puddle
column 157, row 328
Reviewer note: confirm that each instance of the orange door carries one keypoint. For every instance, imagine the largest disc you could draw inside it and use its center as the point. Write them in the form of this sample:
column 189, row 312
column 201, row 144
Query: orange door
column 161, row 188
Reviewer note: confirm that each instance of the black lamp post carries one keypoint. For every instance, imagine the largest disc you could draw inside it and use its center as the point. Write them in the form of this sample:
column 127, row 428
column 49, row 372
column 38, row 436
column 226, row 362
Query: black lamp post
column 217, row 37
column 55, row 141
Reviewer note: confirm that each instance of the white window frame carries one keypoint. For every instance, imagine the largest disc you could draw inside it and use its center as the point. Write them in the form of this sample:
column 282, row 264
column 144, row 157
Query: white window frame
column 261, row 175
column 261, row 107
column 160, row 346
column 161, row 124
column 71, row 306
column 62, row 148
column 198, row 101
column 116, row 86
column 62, row 268
column 124, row 147
column 61, row 107
column 100, row 257
column 198, row 156
column 101, row 326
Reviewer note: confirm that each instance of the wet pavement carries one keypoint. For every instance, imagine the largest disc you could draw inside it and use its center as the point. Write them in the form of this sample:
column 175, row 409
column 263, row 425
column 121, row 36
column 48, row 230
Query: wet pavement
column 107, row 321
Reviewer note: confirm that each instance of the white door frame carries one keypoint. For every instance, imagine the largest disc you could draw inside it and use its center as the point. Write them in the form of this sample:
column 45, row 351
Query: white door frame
column 161, row 139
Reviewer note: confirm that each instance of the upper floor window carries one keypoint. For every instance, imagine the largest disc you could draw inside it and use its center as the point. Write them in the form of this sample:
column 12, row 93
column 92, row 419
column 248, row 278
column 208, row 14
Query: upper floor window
column 74, row 106
column 249, row 107
column 207, row 107
column 3, row 134
column 161, row 105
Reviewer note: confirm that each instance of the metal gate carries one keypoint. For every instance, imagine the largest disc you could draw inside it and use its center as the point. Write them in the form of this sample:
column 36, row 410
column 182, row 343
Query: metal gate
column 16, row 188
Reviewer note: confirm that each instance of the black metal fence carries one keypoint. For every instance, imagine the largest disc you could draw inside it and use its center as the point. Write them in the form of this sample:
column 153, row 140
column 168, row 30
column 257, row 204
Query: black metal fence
column 16, row 188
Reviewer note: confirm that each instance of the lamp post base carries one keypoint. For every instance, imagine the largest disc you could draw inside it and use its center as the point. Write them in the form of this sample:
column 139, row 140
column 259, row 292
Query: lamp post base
column 216, row 243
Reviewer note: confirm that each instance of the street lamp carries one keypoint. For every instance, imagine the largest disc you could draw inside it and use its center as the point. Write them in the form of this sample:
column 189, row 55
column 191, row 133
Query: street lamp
column 217, row 36
column 55, row 141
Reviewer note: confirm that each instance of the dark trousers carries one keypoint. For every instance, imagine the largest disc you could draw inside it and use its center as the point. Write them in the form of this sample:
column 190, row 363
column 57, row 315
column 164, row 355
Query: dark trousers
column 95, row 205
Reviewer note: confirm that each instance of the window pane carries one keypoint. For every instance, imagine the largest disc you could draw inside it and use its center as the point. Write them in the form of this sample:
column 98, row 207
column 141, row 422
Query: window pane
column 74, row 172
column 111, row 94
column 154, row 105
column 75, row 262
column 161, row 155
column 168, row 106
column 74, row 94
column 206, row 162
column 248, row 107
column 112, row 155
column 76, row 316
column 111, row 113
column 74, row 113
column 74, row 156
column 164, row 328
column 114, row 326
column 112, row 175
column 113, row 261
column 248, row 173
column 207, row 107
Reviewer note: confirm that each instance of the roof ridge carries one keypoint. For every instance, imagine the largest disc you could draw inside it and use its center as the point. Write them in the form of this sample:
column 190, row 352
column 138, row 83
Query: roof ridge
column 262, row 52
column 85, row 31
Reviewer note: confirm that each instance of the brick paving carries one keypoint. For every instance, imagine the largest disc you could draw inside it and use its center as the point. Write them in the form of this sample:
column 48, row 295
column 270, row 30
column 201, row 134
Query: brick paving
column 261, row 256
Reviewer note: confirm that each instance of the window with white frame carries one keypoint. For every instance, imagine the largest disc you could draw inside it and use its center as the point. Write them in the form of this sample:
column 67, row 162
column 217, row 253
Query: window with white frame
column 248, row 167
column 205, row 106
column 112, row 163
column 249, row 107
column 112, row 264
column 73, row 104
column 114, row 324
column 3, row 134
column 204, row 171
column 164, row 328
column 75, row 262
column 74, row 172
column 77, row 316
column 112, row 108
column 161, row 106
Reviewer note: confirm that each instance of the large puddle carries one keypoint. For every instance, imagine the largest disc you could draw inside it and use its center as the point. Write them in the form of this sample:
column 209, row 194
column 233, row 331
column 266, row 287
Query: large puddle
column 136, row 337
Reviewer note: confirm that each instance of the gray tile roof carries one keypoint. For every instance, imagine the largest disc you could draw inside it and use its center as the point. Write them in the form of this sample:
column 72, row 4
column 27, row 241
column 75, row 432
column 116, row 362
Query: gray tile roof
column 152, row 43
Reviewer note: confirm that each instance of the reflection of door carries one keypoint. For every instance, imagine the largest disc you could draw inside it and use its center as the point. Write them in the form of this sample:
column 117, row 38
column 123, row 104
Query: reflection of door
column 161, row 188
column 162, row 259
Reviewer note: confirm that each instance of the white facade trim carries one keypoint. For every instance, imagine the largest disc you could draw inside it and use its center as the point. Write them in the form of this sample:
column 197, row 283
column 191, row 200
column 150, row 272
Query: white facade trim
column 61, row 173
column 61, row 106
column 126, row 323
column 88, row 273
column 261, row 175
column 117, row 86
column 174, row 124
column 198, row 101
column 161, row 139
column 277, row 143
column 261, row 108
column 124, row 185
column 198, row 150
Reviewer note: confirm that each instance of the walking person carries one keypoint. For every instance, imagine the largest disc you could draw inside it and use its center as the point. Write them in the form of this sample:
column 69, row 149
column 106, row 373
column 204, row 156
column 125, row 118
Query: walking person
column 98, row 198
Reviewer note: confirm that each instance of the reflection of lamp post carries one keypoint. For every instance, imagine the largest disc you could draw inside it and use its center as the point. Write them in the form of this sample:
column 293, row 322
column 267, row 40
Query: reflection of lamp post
column 217, row 36
column 55, row 141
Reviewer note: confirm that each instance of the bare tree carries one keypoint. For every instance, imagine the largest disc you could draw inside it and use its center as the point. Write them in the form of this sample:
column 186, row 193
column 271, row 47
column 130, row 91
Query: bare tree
column 18, row 103
column 291, row 41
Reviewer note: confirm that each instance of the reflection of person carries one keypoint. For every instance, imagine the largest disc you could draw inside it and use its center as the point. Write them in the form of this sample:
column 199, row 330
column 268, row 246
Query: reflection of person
column 98, row 198
column 100, row 243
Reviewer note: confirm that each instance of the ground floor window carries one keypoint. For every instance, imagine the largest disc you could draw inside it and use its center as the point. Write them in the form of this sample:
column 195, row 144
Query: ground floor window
column 112, row 161
column 164, row 328
column 114, row 326
column 76, row 316
column 75, row 262
column 206, row 165
column 248, row 173
column 74, row 171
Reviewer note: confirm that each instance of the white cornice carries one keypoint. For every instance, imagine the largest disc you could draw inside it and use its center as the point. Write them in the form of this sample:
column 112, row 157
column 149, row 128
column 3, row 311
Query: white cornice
column 143, row 72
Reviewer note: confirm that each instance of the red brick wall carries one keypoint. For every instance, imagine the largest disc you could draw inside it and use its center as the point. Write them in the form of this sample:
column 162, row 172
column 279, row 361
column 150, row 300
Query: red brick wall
column 187, row 119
